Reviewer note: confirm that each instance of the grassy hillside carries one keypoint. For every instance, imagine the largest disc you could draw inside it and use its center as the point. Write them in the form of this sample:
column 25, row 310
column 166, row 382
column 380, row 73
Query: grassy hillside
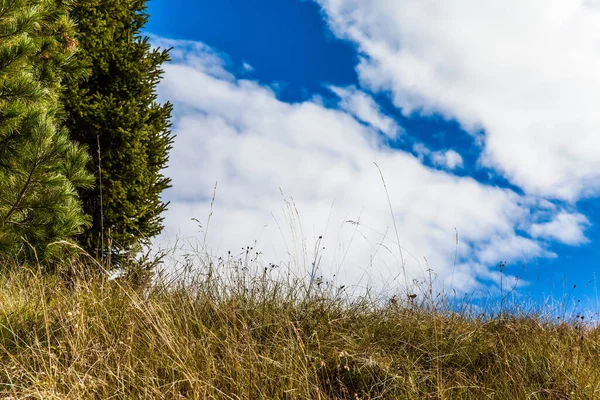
column 254, row 338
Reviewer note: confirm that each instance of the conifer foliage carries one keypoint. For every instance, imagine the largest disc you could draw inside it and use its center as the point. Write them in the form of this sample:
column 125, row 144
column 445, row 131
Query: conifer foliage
column 40, row 168
column 117, row 107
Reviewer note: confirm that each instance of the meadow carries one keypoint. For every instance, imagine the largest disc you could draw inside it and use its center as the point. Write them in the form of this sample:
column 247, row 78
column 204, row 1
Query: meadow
column 229, row 332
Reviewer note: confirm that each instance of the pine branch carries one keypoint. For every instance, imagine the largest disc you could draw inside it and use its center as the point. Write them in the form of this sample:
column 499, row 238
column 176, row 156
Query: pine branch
column 19, row 196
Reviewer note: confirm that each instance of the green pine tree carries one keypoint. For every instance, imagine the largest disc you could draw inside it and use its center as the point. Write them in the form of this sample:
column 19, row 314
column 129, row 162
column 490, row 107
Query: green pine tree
column 116, row 114
column 40, row 168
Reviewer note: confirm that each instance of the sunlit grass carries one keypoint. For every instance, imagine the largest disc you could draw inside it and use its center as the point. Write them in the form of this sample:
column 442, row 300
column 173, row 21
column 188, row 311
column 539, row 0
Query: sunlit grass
column 229, row 333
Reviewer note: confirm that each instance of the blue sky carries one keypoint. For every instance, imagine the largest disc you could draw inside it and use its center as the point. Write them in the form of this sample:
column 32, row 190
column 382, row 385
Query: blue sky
column 480, row 123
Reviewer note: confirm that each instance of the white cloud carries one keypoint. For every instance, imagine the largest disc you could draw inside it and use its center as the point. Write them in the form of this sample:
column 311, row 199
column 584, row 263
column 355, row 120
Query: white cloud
column 197, row 54
column 567, row 228
column 365, row 109
column 238, row 133
column 448, row 159
column 524, row 71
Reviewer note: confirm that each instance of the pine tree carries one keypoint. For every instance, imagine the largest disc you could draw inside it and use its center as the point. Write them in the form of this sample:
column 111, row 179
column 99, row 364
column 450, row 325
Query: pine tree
column 116, row 114
column 40, row 168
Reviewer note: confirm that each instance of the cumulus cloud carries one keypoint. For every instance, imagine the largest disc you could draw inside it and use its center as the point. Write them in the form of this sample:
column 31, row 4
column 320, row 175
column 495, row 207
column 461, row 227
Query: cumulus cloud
column 196, row 54
column 290, row 173
column 564, row 227
column 526, row 72
column 364, row 108
column 449, row 159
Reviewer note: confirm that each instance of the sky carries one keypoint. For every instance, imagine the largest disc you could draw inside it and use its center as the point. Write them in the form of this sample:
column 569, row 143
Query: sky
column 481, row 118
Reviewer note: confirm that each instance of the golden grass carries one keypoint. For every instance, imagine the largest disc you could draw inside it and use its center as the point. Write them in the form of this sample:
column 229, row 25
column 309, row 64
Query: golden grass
column 265, row 339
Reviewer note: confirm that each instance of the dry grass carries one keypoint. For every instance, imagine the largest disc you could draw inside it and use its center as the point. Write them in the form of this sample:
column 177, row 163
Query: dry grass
column 259, row 338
